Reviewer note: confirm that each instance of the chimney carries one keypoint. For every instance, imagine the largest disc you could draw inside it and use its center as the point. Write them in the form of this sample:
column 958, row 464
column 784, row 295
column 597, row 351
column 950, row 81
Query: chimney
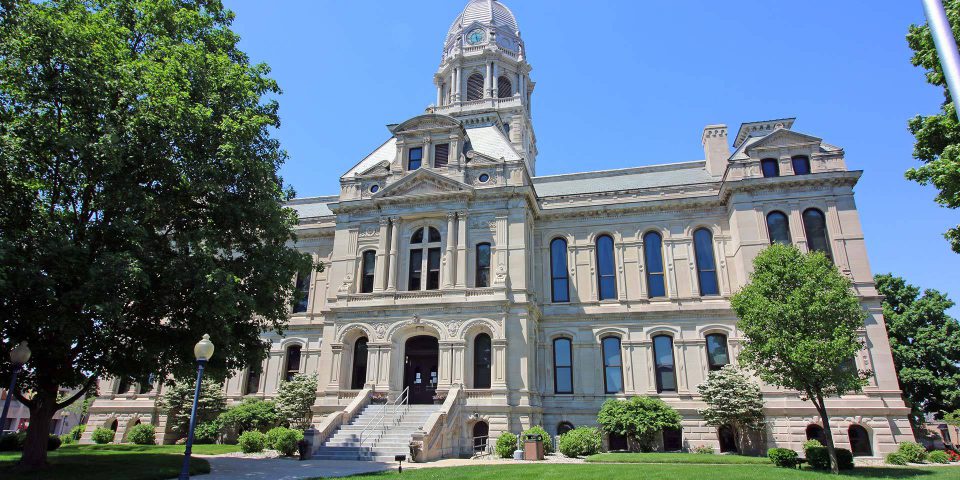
column 715, row 148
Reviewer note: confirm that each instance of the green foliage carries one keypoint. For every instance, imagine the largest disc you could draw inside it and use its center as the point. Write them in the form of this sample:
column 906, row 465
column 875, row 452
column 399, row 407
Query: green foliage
column 913, row 452
column 845, row 459
column 581, row 442
column 952, row 418
column 506, row 444
column 703, row 450
column 143, row 434
column 640, row 418
column 937, row 136
column 925, row 342
column 732, row 399
column 896, row 458
column 66, row 439
column 53, row 443
column 295, row 399
column 252, row 441
column 538, row 430
column 818, row 457
column 177, row 402
column 102, row 435
column 77, row 431
column 783, row 457
column 250, row 414
column 284, row 440
column 207, row 433
column 938, row 456
column 12, row 442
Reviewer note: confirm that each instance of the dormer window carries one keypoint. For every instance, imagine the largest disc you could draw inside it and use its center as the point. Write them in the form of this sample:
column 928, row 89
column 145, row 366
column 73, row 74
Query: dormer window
column 801, row 165
column 414, row 158
column 770, row 167
column 441, row 155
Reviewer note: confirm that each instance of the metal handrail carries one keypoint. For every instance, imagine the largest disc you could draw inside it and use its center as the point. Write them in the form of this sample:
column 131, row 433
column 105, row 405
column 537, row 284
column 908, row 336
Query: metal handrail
column 380, row 419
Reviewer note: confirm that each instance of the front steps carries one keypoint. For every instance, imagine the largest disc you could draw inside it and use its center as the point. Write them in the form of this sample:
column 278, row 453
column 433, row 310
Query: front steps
column 380, row 444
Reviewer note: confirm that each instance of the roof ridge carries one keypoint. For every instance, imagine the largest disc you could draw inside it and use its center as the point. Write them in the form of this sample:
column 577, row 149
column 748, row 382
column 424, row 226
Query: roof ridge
column 303, row 200
column 638, row 169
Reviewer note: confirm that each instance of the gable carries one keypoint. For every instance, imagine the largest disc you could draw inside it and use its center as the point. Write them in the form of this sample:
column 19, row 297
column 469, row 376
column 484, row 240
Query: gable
column 783, row 138
column 423, row 182
column 427, row 122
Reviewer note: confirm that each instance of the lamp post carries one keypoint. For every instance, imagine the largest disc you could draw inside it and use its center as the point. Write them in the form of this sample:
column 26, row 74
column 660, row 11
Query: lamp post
column 19, row 356
column 203, row 350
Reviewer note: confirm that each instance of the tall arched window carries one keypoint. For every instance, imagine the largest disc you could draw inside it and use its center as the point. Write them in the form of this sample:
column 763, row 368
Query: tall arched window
column 302, row 288
column 483, row 265
column 368, row 268
column 504, row 87
column 481, row 431
column 359, row 377
column 717, row 353
column 563, row 365
column 424, row 256
column 475, row 87
column 815, row 225
column 482, row 354
column 612, row 365
column 815, row 432
column 779, row 228
column 770, row 167
column 293, row 362
column 859, row 441
column 653, row 258
column 706, row 263
column 606, row 268
column 253, row 381
column 559, row 280
column 663, row 360
column 801, row 165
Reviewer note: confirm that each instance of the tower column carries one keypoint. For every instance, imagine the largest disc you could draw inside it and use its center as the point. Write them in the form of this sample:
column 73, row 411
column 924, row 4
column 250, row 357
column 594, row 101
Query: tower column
column 394, row 251
column 453, row 85
column 380, row 270
column 439, row 93
column 495, row 81
column 489, row 82
column 462, row 249
column 449, row 254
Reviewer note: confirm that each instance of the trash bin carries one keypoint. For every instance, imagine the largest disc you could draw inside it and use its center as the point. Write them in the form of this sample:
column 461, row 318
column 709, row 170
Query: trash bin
column 533, row 447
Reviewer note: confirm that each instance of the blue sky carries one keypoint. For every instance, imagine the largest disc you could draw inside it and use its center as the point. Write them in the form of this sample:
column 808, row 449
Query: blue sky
column 628, row 83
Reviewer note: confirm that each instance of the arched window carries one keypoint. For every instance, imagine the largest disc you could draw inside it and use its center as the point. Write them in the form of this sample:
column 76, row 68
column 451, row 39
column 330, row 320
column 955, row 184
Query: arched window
column 414, row 158
column 253, row 381
column 293, row 362
column 717, row 353
column 481, row 432
column 359, row 377
column 368, row 269
column 801, row 165
column 302, row 291
column 424, row 257
column 728, row 439
column 482, row 355
column 563, row 365
column 672, row 439
column 612, row 365
column 815, row 432
column 706, row 263
column 859, row 441
column 779, row 228
column 475, row 87
column 663, row 360
column 606, row 268
column 483, row 265
column 770, row 167
column 653, row 258
column 815, row 225
column 564, row 427
column 504, row 87
column 114, row 425
column 559, row 280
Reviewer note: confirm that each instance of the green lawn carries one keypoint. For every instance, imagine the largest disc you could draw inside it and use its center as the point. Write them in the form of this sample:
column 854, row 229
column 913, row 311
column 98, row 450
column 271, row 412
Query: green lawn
column 675, row 458
column 658, row 472
column 100, row 462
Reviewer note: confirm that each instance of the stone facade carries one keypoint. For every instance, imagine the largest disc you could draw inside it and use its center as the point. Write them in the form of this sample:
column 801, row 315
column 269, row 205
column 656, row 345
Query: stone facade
column 445, row 233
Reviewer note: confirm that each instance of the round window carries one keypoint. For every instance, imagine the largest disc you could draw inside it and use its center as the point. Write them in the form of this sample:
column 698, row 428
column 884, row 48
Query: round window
column 484, row 178
column 374, row 188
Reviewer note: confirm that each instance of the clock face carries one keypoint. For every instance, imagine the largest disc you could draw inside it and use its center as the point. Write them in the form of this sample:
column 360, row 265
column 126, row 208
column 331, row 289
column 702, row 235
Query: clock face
column 475, row 36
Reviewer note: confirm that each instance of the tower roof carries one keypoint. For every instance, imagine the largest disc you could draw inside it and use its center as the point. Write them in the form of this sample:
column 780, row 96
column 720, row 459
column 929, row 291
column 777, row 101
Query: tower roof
column 490, row 13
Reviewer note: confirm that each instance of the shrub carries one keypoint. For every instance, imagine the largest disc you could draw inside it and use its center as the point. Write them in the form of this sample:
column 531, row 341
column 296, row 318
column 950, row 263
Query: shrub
column 783, row 457
column 251, row 414
column 547, row 441
column 252, row 441
column 703, row 450
column 640, row 418
column 206, row 433
column 77, row 432
column 844, row 459
column 12, row 442
column 506, row 444
column 817, row 455
column 53, row 443
column 143, row 434
column 938, row 456
column 913, row 452
column 284, row 440
column 896, row 458
column 66, row 439
column 580, row 442
column 102, row 435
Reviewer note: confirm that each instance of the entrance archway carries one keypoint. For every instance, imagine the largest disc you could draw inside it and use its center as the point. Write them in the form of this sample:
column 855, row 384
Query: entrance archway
column 727, row 437
column 420, row 374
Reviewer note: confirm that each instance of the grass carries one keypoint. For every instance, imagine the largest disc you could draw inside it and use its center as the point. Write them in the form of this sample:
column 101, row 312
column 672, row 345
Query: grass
column 683, row 458
column 99, row 462
column 656, row 472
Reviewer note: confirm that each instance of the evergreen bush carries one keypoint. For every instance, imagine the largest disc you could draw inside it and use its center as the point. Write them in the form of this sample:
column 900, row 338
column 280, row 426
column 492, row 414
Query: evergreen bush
column 580, row 442
column 102, row 435
column 143, row 434
column 783, row 457
column 252, row 441
column 284, row 440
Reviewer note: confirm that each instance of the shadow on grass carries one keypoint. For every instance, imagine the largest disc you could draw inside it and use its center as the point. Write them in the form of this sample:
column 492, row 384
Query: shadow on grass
column 889, row 472
column 104, row 465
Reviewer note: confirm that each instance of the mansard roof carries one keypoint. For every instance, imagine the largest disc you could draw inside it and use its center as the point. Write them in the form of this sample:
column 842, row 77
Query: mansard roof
column 309, row 207
column 674, row 174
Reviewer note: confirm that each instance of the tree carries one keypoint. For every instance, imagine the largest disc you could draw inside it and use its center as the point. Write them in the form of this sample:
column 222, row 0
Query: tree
column 732, row 399
column 141, row 205
column 177, row 403
column 639, row 418
column 295, row 399
column 925, row 342
column 952, row 418
column 937, row 136
column 800, row 321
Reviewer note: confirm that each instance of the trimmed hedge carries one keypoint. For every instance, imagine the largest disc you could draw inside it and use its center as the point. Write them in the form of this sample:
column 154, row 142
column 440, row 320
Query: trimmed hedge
column 252, row 441
column 13, row 442
column 581, row 442
column 284, row 440
column 102, row 435
column 143, row 434
column 506, row 444
column 818, row 457
column 783, row 457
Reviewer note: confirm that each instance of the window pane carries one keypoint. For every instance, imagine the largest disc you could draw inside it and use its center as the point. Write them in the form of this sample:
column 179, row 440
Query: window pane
column 563, row 363
column 414, row 158
column 359, row 364
column 815, row 225
column 558, row 270
column 663, row 359
column 561, row 349
column 605, row 268
column 779, row 228
column 369, row 267
column 801, row 165
column 706, row 265
column 417, row 236
column 441, row 155
column 564, row 378
column 614, row 380
column 434, row 235
column 253, row 381
column 481, row 361
column 613, row 374
column 303, row 292
column 483, row 265
column 561, row 290
column 717, row 353
column 416, row 268
column 770, row 167
column 433, row 269
column 653, row 257
column 293, row 362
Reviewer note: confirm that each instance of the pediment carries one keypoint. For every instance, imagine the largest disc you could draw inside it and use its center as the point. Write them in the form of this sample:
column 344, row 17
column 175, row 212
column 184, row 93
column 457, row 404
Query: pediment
column 427, row 122
column 382, row 168
column 423, row 182
column 784, row 138
column 476, row 158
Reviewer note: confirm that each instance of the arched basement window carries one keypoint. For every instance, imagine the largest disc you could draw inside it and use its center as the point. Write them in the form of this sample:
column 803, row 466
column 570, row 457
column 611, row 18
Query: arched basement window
column 612, row 365
column 717, row 353
column 728, row 439
column 483, row 265
column 859, row 441
column 563, row 365
column 368, row 268
column 424, row 257
column 815, row 225
column 672, row 439
column 481, row 432
column 779, row 228
column 801, row 165
column 770, row 167
column 482, row 354
column 606, row 268
column 559, row 280
column 663, row 360
column 653, row 260
column 293, row 362
column 475, row 87
column 504, row 87
column 815, row 432
column 564, row 427
column 706, row 263
column 359, row 377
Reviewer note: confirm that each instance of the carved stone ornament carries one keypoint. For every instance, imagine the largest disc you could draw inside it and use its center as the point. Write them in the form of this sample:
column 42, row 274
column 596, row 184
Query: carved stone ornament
column 347, row 282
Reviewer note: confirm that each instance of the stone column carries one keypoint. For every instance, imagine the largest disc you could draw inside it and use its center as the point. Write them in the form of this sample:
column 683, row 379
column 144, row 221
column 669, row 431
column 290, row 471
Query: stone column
column 462, row 249
column 459, row 352
column 453, row 84
column 337, row 350
column 448, row 257
column 495, row 82
column 489, row 82
column 394, row 251
column 380, row 269
column 499, row 380
column 439, row 93
column 445, row 366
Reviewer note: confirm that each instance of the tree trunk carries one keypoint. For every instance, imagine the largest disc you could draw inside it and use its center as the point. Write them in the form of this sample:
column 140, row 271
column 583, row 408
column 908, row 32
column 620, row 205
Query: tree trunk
column 828, row 434
column 41, row 412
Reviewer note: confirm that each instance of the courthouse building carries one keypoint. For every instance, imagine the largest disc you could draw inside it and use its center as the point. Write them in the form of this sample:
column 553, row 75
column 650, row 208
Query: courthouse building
column 499, row 299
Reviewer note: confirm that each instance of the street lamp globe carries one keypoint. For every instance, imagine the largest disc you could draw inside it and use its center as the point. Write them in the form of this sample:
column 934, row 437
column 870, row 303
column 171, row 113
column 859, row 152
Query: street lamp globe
column 20, row 354
column 203, row 350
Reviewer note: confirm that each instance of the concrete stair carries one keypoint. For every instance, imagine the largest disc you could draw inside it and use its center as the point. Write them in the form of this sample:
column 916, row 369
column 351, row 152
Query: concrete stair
column 380, row 443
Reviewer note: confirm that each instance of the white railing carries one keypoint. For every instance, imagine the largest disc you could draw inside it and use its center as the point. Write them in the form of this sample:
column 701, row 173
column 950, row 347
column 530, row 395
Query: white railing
column 376, row 427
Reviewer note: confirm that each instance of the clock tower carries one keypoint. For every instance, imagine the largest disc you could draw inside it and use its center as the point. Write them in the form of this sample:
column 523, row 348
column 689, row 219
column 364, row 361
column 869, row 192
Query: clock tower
column 484, row 77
